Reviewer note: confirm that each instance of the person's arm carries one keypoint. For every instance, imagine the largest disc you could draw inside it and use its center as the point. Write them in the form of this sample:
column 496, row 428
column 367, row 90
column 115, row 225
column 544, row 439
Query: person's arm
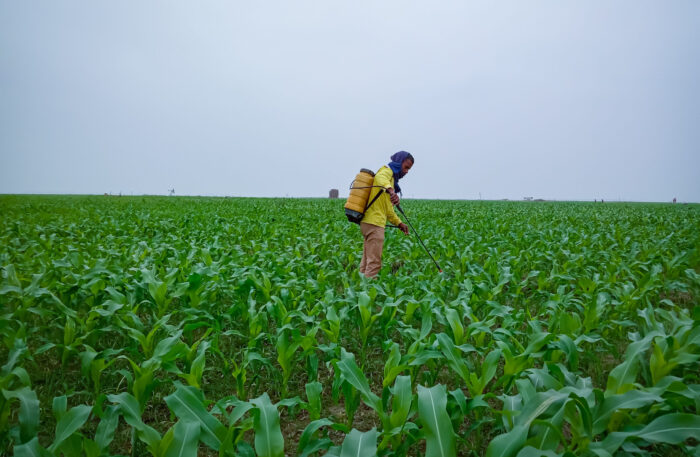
column 396, row 220
column 383, row 178
column 393, row 196
column 393, row 218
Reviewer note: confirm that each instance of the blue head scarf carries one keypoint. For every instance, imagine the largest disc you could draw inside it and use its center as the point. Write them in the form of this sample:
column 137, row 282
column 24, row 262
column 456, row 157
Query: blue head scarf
column 395, row 165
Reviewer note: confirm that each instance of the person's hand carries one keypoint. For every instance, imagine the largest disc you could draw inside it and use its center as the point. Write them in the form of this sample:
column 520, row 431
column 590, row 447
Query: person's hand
column 394, row 196
column 404, row 228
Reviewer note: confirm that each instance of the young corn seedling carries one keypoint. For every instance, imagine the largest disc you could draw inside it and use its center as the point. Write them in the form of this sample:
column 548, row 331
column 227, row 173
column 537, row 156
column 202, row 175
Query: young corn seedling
column 288, row 341
column 93, row 364
column 366, row 321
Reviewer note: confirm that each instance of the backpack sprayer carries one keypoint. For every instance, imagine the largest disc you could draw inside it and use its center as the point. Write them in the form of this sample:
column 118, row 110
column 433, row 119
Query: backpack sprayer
column 356, row 205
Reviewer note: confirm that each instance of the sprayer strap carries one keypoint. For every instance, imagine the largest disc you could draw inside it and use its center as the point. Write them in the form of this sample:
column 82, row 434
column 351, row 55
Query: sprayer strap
column 374, row 199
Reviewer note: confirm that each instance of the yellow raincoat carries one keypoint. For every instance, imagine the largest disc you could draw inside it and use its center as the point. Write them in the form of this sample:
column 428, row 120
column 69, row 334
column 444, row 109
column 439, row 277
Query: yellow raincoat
column 382, row 209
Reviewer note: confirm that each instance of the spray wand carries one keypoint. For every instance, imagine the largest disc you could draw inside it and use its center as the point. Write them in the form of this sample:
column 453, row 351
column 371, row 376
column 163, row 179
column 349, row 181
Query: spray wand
column 421, row 241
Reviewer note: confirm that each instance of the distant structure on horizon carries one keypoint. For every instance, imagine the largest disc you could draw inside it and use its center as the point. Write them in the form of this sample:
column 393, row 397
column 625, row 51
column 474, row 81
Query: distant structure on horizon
column 333, row 193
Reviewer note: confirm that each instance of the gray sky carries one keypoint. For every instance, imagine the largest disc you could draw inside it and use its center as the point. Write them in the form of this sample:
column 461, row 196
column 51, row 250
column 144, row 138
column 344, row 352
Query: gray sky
column 549, row 99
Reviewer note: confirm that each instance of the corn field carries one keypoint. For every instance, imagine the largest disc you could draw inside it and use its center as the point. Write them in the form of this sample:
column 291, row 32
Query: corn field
column 241, row 327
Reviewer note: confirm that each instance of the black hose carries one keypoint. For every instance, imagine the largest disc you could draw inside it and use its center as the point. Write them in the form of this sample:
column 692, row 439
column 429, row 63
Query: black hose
column 417, row 236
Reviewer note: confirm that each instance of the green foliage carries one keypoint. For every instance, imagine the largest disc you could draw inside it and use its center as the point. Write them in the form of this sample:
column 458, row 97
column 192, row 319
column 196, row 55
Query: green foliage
column 196, row 326
column 432, row 410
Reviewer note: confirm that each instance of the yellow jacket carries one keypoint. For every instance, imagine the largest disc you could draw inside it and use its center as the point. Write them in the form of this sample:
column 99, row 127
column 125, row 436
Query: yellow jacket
column 382, row 209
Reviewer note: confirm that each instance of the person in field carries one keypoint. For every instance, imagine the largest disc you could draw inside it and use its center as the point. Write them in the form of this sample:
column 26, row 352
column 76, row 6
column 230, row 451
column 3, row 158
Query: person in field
column 374, row 220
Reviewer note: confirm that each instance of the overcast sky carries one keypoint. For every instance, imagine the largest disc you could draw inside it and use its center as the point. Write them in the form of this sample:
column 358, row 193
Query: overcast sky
column 549, row 99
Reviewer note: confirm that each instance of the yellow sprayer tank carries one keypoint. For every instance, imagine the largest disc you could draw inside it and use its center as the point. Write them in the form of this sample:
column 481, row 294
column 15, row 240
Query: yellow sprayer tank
column 359, row 194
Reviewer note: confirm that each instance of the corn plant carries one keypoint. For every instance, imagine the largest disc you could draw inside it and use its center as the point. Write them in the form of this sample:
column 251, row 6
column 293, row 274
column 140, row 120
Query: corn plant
column 189, row 326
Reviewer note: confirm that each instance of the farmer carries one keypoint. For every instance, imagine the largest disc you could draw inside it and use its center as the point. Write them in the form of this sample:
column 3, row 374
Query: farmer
column 374, row 220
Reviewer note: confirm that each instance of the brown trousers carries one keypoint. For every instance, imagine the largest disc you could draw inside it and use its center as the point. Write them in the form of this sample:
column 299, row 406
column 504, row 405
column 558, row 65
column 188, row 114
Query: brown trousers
column 372, row 251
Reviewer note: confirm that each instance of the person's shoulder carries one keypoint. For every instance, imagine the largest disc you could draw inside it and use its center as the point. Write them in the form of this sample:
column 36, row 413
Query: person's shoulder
column 384, row 169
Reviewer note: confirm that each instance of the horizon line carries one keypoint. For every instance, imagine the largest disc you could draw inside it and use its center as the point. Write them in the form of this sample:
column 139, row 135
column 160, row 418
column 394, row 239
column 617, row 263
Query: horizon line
column 529, row 200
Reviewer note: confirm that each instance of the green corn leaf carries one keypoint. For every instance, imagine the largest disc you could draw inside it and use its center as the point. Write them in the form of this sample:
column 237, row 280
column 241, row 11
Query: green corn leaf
column 66, row 311
column 393, row 359
column 581, row 424
column 422, row 357
column 670, row 429
column 17, row 353
column 86, row 359
column 352, row 374
column 529, row 451
column 568, row 347
column 658, row 365
column 363, row 305
column 105, row 429
column 477, row 402
column 290, row 403
column 71, row 422
column 333, row 451
column 59, row 407
column 244, row 449
column 488, row 369
column 238, row 412
column 269, row 441
column 165, row 443
column 426, row 326
column 28, row 411
column 69, row 331
column 306, row 444
column 72, row 446
column 542, row 379
column 156, row 288
column 401, row 401
column 169, row 349
column 194, row 377
column 393, row 373
column 547, row 433
column 313, row 395
column 31, row 448
column 358, row 444
column 286, row 346
column 130, row 410
column 632, row 399
column 187, row 403
column 537, row 405
column 457, row 398
column 610, row 444
column 454, row 357
column 623, row 376
column 80, row 444
column 508, row 444
column 455, row 322
column 392, row 368
column 437, row 427
column 5, row 290
column 185, row 440
column 316, row 446
column 526, row 390
column 332, row 325
column 351, row 399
